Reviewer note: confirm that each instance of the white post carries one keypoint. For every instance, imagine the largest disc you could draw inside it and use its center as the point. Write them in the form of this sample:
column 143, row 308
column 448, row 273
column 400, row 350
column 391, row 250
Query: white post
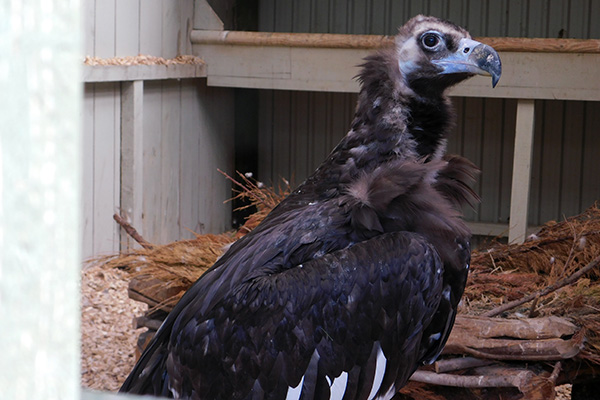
column 519, row 198
column 40, row 150
column 132, row 155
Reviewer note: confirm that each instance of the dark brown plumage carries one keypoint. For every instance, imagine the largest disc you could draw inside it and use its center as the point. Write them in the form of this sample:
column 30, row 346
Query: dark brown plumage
column 354, row 279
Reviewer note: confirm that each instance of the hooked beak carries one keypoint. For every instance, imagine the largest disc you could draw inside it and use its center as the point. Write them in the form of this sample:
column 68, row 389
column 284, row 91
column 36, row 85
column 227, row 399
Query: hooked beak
column 472, row 57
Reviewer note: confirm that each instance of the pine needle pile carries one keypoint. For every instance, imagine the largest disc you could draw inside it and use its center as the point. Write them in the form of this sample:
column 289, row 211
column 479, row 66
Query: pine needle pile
column 529, row 320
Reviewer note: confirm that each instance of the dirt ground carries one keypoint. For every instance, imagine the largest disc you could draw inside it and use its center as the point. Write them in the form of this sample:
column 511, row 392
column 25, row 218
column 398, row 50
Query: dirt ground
column 108, row 339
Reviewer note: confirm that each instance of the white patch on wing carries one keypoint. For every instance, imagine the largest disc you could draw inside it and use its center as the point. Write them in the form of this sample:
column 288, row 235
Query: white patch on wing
column 338, row 387
column 435, row 336
column 389, row 394
column 174, row 392
column 380, row 366
column 446, row 293
column 294, row 393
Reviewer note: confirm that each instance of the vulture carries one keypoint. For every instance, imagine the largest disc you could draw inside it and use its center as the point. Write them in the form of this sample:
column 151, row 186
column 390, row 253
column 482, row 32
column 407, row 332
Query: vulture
column 352, row 281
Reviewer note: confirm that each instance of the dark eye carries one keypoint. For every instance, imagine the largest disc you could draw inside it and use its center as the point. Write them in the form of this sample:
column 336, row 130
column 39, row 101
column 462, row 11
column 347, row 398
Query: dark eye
column 430, row 40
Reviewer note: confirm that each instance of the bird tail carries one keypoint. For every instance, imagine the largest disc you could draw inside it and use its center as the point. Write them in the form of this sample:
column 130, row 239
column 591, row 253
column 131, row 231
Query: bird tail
column 149, row 376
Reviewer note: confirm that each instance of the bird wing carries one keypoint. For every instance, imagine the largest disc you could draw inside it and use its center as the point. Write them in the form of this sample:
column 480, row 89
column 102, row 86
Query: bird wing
column 330, row 325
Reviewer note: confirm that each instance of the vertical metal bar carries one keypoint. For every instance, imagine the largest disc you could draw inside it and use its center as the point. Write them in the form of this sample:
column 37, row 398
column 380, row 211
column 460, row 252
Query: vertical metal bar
column 519, row 198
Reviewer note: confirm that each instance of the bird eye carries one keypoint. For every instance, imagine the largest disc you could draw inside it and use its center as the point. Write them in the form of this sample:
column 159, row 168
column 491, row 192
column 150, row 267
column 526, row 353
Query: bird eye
column 430, row 40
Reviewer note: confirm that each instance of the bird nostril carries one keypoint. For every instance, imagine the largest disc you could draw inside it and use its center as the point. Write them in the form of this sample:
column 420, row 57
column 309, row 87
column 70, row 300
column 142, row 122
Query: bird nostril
column 466, row 50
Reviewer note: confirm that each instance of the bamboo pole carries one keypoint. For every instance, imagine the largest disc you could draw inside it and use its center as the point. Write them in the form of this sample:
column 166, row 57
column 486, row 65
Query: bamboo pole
column 341, row 41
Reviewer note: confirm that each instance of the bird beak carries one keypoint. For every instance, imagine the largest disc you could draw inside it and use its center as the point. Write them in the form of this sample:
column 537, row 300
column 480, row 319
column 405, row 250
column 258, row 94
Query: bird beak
column 472, row 57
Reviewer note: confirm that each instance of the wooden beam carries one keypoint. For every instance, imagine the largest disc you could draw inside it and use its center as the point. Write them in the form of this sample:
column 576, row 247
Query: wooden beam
column 123, row 73
column 277, row 39
column 132, row 156
column 370, row 42
column 519, row 198
column 310, row 65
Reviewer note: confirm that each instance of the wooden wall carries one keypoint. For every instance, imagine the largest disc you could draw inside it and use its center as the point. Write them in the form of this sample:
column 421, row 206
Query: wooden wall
column 188, row 130
column 298, row 129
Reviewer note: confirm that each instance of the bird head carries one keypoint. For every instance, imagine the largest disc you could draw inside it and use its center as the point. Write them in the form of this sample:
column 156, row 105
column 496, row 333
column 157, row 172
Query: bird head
column 434, row 54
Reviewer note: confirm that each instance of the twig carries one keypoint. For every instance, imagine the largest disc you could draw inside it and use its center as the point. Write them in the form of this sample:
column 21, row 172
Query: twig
column 455, row 364
column 132, row 232
column 478, row 381
column 555, row 372
column 549, row 289
column 532, row 311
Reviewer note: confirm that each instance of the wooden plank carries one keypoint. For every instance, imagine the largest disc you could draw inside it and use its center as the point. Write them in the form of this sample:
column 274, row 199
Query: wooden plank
column 152, row 161
column 535, row 186
column 127, row 28
column 122, row 73
column 508, row 150
column 132, row 157
column 151, row 27
column 87, row 222
column 218, row 149
column 89, row 26
column 170, row 151
column 104, row 29
column 106, row 167
column 172, row 32
column 521, row 171
column 372, row 42
column 186, row 22
column 189, row 165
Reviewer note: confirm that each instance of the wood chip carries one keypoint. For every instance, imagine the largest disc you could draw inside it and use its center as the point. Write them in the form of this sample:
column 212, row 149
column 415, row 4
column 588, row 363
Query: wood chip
column 108, row 339
column 143, row 60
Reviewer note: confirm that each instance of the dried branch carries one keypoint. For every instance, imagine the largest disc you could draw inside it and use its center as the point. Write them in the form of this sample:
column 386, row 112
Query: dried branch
column 555, row 372
column 549, row 289
column 517, row 380
column 131, row 231
column 455, row 364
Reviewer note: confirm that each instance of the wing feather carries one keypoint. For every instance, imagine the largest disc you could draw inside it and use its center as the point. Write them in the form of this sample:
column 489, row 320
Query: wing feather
column 327, row 326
